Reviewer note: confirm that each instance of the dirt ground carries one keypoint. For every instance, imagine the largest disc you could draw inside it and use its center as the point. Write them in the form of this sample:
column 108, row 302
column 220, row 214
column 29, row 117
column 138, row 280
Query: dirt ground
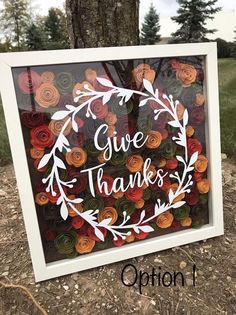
column 100, row 290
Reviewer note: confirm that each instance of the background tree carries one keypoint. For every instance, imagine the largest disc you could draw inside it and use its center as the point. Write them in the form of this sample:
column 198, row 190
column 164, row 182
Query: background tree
column 223, row 48
column 192, row 16
column 233, row 53
column 55, row 27
column 35, row 39
column 150, row 27
column 14, row 19
column 103, row 23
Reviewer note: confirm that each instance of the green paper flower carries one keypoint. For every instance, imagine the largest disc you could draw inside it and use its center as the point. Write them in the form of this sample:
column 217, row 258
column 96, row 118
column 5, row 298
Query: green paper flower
column 197, row 224
column 121, row 110
column 65, row 242
column 147, row 194
column 91, row 149
column 168, row 149
column 181, row 213
column 123, row 204
column 93, row 203
column 118, row 158
column 64, row 82
column 173, row 87
column 144, row 124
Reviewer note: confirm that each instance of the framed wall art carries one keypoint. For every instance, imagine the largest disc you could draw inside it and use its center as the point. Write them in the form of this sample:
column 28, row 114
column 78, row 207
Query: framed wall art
column 116, row 151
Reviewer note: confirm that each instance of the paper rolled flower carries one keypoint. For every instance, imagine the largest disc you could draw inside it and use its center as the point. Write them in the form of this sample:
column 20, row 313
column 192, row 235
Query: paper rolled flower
column 41, row 137
column 200, row 99
column 180, row 111
column 91, row 233
column 201, row 164
column 197, row 176
column 33, row 119
column 134, row 163
column 77, row 206
column 119, row 242
column 181, row 213
column 121, row 110
column 171, row 164
column 41, row 198
column 125, row 125
column 77, row 222
column 29, row 81
column 193, row 146
column 134, row 193
column 64, row 82
column 118, row 158
column 84, row 244
column 154, row 139
column 81, row 181
column 90, row 75
column 109, row 201
column 174, row 187
column 189, row 131
column 164, row 220
column 47, row 77
column 56, row 126
column 101, row 158
column 139, row 204
column 76, row 157
column 47, row 95
column 147, row 194
column 203, row 186
column 36, row 154
column 109, row 182
column 144, row 124
column 36, row 164
column 141, row 235
column 93, row 203
column 65, row 243
column 173, row 87
column 123, row 204
column 167, row 149
column 196, row 116
column 192, row 198
column 98, row 109
column 118, row 194
column 107, row 213
column 50, row 235
column 111, row 131
column 82, row 87
column 143, row 71
column 91, row 149
column 161, row 163
column 130, row 238
column 111, row 118
column 186, row 222
column 186, row 74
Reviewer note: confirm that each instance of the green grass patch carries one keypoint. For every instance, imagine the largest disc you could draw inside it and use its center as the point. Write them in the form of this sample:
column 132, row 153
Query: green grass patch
column 5, row 152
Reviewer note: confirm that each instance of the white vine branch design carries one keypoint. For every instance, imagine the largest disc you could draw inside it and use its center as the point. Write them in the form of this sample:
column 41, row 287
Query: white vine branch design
column 90, row 216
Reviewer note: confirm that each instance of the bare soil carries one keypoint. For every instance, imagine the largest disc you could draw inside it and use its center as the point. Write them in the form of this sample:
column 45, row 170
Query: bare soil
column 100, row 290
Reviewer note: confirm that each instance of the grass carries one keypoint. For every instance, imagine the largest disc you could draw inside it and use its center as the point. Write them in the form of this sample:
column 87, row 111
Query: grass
column 227, row 83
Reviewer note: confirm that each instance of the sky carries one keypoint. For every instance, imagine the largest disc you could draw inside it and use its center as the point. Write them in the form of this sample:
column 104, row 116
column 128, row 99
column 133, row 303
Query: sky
column 224, row 22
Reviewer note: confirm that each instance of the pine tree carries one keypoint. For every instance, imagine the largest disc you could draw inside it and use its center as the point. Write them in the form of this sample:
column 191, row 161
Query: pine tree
column 35, row 37
column 192, row 16
column 55, row 26
column 150, row 27
column 14, row 20
column 234, row 46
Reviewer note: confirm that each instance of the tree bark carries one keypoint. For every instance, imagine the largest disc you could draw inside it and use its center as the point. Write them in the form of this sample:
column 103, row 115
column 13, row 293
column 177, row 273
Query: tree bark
column 103, row 23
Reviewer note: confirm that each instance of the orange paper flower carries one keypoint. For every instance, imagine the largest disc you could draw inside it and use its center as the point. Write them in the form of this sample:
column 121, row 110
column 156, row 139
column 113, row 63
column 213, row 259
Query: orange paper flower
column 41, row 198
column 189, row 131
column 36, row 154
column 174, row 187
column 81, row 87
column 200, row 99
column 186, row 222
column 200, row 165
column 111, row 118
column 56, row 126
column 139, row 204
column 47, row 95
column 47, row 77
column 76, row 157
column 108, row 212
column 78, row 207
column 84, row 244
column 134, row 163
column 130, row 238
column 110, row 131
column 154, row 139
column 90, row 75
column 203, row 186
column 164, row 220
column 186, row 74
column 143, row 71
column 118, row 194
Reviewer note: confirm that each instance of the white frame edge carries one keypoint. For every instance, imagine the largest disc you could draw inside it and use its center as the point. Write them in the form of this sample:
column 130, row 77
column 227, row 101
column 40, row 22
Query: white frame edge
column 45, row 271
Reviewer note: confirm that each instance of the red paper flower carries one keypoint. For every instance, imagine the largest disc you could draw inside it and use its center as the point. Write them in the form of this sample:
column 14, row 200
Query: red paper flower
column 50, row 235
column 98, row 109
column 118, row 242
column 194, row 146
column 192, row 198
column 29, row 81
column 141, row 235
column 134, row 194
column 171, row 164
column 109, row 201
column 42, row 137
column 93, row 236
column 77, row 222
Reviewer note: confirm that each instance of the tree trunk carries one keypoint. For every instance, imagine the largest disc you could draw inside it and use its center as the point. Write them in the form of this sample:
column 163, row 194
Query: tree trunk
column 98, row 23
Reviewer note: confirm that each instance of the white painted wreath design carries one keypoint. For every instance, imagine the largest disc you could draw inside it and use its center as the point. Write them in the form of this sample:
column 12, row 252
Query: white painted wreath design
column 90, row 216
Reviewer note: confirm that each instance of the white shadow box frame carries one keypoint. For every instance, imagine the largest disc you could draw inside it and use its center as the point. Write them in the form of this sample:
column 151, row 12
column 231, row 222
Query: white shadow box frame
column 43, row 270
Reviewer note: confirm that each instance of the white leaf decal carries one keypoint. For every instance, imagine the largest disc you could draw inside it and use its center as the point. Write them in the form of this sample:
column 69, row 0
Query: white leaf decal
column 173, row 123
column 59, row 163
column 146, row 228
column 59, row 200
column 70, row 107
column 99, row 234
column 128, row 96
column 44, row 160
column 178, row 204
column 180, row 159
column 136, row 230
column 105, row 222
column 142, row 215
column 104, row 82
column 171, row 195
column 64, row 211
column 148, row 86
column 60, row 115
column 106, row 98
column 75, row 126
column 77, row 200
column 143, row 102
column 193, row 158
column 185, row 117
column 64, row 140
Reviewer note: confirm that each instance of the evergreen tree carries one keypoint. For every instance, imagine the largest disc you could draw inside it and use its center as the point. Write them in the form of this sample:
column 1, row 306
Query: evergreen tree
column 150, row 27
column 35, row 37
column 14, row 19
column 192, row 16
column 55, row 27
column 233, row 53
